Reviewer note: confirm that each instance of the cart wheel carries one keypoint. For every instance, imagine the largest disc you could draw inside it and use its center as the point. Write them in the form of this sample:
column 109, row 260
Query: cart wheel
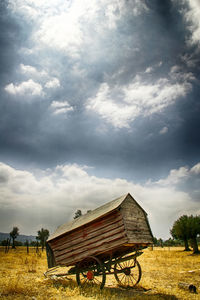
column 127, row 273
column 91, row 271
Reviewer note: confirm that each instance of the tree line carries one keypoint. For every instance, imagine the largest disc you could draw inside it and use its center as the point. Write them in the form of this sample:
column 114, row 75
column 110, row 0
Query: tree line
column 41, row 238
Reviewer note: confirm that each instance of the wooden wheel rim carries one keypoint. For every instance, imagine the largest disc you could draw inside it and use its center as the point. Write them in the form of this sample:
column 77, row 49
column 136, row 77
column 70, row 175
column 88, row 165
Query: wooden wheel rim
column 128, row 273
column 91, row 271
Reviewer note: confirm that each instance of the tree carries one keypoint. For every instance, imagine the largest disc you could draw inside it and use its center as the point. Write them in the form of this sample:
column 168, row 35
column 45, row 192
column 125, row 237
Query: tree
column 78, row 213
column 160, row 242
column 42, row 236
column 187, row 228
column 180, row 230
column 155, row 241
column 14, row 234
column 194, row 230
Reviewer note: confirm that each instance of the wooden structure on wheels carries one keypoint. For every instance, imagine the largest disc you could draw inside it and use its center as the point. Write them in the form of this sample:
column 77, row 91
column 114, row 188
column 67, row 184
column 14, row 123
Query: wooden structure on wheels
column 100, row 243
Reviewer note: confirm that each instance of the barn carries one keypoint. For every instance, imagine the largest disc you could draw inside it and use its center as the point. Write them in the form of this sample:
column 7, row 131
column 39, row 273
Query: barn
column 115, row 228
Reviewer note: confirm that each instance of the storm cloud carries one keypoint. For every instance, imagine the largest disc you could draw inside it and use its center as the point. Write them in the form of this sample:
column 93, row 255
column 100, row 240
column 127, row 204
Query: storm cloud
column 111, row 85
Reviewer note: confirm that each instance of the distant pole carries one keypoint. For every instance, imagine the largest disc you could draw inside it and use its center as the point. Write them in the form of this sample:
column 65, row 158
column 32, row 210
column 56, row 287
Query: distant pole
column 27, row 246
column 7, row 246
column 37, row 247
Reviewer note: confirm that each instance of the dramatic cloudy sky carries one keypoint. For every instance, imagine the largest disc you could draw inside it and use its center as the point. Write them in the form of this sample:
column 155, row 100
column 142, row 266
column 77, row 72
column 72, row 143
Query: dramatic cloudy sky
column 98, row 98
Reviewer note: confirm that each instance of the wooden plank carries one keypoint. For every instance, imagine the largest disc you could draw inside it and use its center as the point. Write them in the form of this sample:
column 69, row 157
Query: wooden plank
column 91, row 248
column 91, row 235
column 106, row 247
column 140, row 226
column 84, row 242
column 138, row 222
column 119, row 226
column 136, row 227
column 139, row 239
column 103, row 222
column 137, row 233
column 99, row 231
column 140, row 233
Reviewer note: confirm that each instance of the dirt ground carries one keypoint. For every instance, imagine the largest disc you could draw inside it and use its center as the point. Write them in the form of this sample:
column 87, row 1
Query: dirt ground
column 164, row 271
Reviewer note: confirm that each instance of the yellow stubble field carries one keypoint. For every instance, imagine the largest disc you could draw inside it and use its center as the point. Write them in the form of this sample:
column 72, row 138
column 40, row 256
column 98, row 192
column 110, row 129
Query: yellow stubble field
column 21, row 277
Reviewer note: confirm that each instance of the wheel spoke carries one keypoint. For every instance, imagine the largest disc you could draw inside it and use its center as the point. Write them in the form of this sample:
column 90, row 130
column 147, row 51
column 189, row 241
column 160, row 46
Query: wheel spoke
column 132, row 280
column 124, row 276
column 84, row 282
column 125, row 280
column 96, row 280
column 133, row 277
column 120, row 266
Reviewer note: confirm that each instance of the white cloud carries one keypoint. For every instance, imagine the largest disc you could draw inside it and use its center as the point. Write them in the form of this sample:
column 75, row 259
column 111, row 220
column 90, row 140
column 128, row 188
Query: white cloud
column 62, row 32
column 192, row 18
column 178, row 75
column 164, row 130
column 175, row 176
column 57, row 193
column 27, row 69
column 30, row 70
column 29, row 87
column 121, row 105
column 40, row 75
column 149, row 70
column 61, row 107
column 63, row 110
column 196, row 169
column 118, row 115
column 66, row 26
column 53, row 83
column 179, row 175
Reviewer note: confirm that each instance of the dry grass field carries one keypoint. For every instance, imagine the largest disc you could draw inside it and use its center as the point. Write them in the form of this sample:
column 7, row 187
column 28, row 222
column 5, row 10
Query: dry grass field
column 162, row 269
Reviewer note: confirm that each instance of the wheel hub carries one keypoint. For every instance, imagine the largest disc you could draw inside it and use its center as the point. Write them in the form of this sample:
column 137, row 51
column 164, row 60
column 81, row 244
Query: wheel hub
column 90, row 275
column 127, row 271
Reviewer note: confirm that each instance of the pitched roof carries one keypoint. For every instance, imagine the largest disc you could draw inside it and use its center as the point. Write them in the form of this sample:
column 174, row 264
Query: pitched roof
column 89, row 217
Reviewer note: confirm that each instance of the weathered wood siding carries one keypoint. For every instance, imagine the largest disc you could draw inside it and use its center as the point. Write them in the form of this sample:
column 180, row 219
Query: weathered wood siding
column 98, row 237
column 135, row 222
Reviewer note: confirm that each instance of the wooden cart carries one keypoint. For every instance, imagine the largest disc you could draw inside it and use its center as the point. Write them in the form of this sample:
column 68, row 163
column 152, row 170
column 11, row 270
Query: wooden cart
column 107, row 240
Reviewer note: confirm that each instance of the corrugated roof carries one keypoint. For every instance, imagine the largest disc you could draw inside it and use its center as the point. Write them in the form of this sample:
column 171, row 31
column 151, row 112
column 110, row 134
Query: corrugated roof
column 89, row 217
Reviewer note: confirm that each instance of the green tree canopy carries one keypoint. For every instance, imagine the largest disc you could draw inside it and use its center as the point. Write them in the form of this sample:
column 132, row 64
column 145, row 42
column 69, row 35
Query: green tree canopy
column 42, row 236
column 187, row 228
column 14, row 234
column 180, row 230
